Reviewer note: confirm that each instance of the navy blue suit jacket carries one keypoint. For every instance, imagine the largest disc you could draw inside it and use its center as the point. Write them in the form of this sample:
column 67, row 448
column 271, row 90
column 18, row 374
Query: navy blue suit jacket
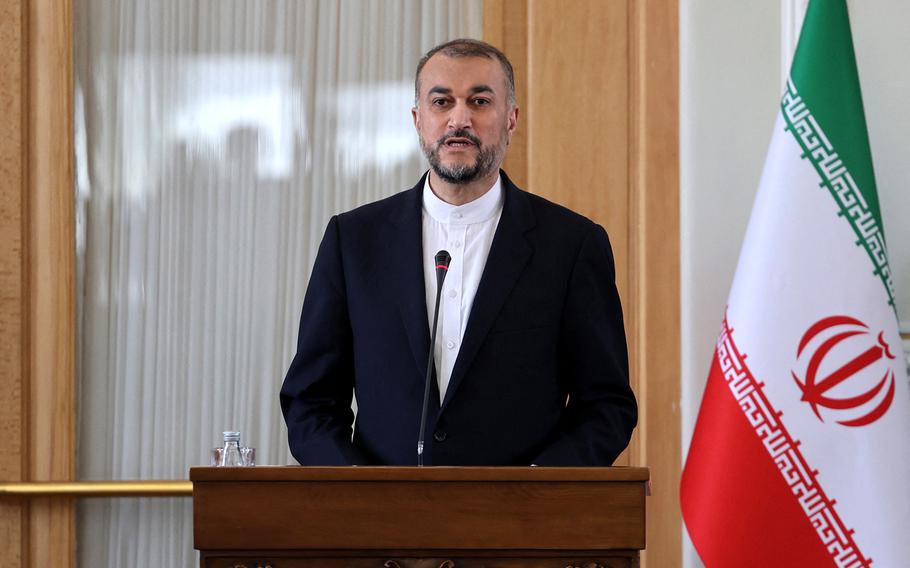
column 542, row 373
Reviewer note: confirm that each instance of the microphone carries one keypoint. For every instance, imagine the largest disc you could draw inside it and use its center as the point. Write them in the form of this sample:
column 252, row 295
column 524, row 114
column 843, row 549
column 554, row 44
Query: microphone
column 443, row 258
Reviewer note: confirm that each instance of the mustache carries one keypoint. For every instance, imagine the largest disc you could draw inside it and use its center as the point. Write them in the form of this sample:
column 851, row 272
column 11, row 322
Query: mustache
column 458, row 134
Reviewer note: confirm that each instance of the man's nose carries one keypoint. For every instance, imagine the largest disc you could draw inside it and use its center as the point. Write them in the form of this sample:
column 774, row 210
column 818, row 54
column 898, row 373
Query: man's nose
column 460, row 117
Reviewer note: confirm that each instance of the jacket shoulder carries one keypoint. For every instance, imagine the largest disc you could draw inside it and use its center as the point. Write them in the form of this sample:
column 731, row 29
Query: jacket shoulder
column 546, row 213
column 548, row 210
column 558, row 224
column 381, row 208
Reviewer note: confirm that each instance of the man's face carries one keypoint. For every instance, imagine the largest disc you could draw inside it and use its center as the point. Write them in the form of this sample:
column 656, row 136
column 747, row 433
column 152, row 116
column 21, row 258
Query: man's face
column 463, row 116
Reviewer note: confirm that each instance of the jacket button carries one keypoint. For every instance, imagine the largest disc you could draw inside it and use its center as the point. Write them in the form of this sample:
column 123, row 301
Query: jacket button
column 439, row 436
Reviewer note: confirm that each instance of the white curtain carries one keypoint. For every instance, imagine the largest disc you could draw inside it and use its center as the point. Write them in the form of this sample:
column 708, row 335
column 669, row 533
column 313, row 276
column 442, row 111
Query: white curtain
column 214, row 140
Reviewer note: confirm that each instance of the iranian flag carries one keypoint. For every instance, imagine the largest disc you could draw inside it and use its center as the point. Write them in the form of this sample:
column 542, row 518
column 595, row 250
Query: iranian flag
column 801, row 451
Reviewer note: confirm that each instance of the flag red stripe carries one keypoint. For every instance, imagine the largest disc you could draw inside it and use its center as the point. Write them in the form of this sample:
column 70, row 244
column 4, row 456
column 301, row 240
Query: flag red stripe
column 748, row 496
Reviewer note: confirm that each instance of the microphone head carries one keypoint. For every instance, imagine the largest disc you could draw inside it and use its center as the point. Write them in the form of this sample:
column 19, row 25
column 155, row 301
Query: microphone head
column 443, row 258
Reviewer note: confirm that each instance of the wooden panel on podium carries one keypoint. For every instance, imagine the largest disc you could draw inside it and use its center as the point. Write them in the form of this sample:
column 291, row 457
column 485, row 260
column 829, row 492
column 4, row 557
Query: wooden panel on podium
column 440, row 517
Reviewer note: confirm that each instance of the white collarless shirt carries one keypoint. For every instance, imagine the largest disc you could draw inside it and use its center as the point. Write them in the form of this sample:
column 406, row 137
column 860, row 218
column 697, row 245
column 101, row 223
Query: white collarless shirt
column 466, row 231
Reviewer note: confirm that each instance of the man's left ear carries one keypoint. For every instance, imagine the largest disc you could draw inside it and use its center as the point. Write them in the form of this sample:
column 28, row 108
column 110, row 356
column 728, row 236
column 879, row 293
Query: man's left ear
column 513, row 122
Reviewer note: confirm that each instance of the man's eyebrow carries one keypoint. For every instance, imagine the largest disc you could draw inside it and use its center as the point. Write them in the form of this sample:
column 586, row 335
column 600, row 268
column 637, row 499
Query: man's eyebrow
column 438, row 89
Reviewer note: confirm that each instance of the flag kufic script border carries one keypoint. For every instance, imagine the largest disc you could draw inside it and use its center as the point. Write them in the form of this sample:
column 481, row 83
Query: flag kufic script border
column 840, row 183
column 784, row 450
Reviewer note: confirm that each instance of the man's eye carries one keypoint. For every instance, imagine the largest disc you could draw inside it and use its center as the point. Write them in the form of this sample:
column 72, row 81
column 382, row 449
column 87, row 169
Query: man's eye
column 481, row 102
column 439, row 102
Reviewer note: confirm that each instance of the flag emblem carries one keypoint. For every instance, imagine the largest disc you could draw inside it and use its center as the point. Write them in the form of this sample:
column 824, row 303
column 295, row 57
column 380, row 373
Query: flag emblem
column 856, row 358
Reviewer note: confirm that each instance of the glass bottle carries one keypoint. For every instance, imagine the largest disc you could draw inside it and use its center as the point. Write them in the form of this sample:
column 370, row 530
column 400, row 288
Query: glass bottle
column 230, row 454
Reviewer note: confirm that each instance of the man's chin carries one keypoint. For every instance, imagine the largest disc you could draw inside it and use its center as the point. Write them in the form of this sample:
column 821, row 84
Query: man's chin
column 457, row 172
column 457, row 175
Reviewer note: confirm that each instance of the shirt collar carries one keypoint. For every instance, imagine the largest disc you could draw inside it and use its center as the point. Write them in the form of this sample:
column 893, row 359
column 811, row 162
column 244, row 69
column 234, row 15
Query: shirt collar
column 481, row 209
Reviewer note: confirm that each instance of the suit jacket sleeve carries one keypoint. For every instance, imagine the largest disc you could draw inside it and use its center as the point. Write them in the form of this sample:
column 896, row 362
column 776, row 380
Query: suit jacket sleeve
column 317, row 391
column 593, row 363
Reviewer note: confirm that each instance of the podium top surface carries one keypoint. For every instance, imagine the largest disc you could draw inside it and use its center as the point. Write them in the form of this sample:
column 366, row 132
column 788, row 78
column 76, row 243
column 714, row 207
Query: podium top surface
column 412, row 474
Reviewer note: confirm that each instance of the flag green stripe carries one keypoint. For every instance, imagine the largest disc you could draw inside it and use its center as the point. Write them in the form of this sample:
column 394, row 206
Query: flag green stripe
column 823, row 109
column 836, row 179
column 824, row 72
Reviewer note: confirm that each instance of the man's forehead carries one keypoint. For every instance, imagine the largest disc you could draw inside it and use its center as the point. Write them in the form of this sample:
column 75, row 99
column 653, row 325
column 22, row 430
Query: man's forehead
column 472, row 73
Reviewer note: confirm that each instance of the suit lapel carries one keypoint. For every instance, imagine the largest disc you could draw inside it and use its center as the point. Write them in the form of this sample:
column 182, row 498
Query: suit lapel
column 508, row 256
column 405, row 249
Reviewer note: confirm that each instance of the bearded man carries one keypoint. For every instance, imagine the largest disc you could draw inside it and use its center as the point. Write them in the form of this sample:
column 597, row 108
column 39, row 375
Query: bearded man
column 531, row 365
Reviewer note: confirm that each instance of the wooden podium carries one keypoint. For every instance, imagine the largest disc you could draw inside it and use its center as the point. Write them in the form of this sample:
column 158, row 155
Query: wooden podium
column 405, row 517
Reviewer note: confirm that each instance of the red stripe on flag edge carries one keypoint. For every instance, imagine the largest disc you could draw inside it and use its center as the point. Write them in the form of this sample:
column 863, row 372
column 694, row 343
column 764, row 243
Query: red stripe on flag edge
column 817, row 511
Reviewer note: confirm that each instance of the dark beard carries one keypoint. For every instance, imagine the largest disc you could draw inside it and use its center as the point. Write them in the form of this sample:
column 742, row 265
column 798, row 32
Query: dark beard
column 464, row 173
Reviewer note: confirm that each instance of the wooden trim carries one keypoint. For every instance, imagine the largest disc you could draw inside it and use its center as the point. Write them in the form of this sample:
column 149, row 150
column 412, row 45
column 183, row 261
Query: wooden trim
column 494, row 18
column 50, row 262
column 13, row 281
column 654, row 262
column 37, row 274
column 51, row 254
column 505, row 25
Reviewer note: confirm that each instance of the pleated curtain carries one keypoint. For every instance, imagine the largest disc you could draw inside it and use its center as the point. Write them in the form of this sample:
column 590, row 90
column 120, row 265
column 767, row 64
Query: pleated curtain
column 214, row 140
